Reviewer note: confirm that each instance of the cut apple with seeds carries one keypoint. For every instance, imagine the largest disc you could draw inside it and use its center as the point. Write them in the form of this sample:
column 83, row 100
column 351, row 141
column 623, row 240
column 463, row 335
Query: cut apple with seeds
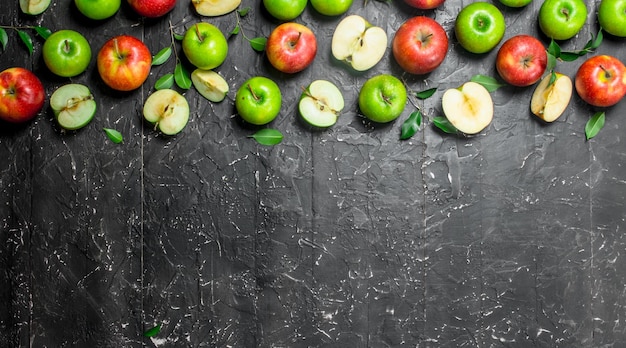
column 213, row 8
column 34, row 7
column 210, row 84
column 73, row 106
column 469, row 108
column 168, row 110
column 321, row 103
column 551, row 96
column 358, row 43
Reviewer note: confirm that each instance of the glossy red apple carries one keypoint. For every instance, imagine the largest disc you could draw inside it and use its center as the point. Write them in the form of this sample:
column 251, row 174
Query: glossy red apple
column 21, row 95
column 420, row 45
column 424, row 4
column 521, row 60
column 152, row 8
column 291, row 47
column 601, row 81
column 124, row 62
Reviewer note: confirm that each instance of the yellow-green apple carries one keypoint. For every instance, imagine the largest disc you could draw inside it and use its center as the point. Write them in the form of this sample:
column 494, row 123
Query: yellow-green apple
column 562, row 19
column 22, row 95
column 420, row 45
column 258, row 100
column 124, row 62
column 152, row 8
column 98, row 9
column 168, row 110
column 66, row 53
column 210, row 84
column 601, row 80
column 469, row 107
column 551, row 96
column 331, row 7
column 291, row 47
column 205, row 46
column 213, row 8
column 521, row 60
column 479, row 27
column 73, row 106
column 425, row 4
column 382, row 98
column 285, row 10
column 358, row 43
column 34, row 7
column 612, row 17
column 321, row 104
column 515, row 3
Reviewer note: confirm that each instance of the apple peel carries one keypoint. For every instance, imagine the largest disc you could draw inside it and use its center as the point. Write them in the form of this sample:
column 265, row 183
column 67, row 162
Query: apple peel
column 321, row 103
column 551, row 98
column 214, row 8
column 73, row 106
column 469, row 108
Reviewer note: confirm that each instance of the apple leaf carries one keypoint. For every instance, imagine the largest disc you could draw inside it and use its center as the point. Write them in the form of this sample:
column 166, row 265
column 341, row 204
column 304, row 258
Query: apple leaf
column 258, row 43
column 43, row 32
column 153, row 331
column 594, row 125
column 27, row 40
column 178, row 37
column 114, row 135
column 244, row 11
column 425, row 94
column 268, row 136
column 488, row 82
column 164, row 82
column 235, row 30
column 162, row 57
column 443, row 124
column 4, row 38
column 411, row 125
column 182, row 76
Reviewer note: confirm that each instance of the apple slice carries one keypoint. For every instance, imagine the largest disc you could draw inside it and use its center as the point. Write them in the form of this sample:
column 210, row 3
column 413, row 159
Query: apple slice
column 358, row 43
column 73, row 106
column 469, row 108
column 551, row 97
column 168, row 110
column 210, row 84
column 321, row 103
column 34, row 7
column 213, row 8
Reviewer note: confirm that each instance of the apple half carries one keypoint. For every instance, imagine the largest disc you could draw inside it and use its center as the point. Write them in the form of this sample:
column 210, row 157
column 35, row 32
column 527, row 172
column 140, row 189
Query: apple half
column 213, row 8
column 210, row 84
column 168, row 110
column 321, row 104
column 551, row 96
column 358, row 43
column 73, row 106
column 469, row 107
column 34, row 7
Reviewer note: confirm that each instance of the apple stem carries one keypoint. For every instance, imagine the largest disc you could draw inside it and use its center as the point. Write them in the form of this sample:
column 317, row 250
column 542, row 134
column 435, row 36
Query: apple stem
column 607, row 73
column 293, row 43
column 117, row 48
column 66, row 46
column 252, row 92
column 200, row 37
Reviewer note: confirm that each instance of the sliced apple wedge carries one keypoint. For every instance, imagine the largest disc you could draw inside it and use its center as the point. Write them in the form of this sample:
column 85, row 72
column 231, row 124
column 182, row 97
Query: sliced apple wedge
column 73, row 106
column 469, row 108
column 358, row 43
column 168, row 110
column 551, row 96
column 34, row 7
column 321, row 103
column 210, row 84
column 213, row 8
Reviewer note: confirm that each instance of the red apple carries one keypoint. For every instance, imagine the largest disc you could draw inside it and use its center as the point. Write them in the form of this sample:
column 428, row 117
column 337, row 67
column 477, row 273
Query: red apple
column 124, row 62
column 291, row 47
column 424, row 4
column 601, row 81
column 420, row 45
column 152, row 8
column 21, row 95
column 521, row 60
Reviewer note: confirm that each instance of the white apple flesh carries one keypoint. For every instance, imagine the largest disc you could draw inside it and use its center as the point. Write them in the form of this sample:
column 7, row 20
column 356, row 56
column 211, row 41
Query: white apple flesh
column 210, row 84
column 168, row 110
column 321, row 103
column 358, row 43
column 213, row 8
column 551, row 98
column 469, row 108
column 34, row 7
column 73, row 106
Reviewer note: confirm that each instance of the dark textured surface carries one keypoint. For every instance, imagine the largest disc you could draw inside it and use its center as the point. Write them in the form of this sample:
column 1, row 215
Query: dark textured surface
column 346, row 237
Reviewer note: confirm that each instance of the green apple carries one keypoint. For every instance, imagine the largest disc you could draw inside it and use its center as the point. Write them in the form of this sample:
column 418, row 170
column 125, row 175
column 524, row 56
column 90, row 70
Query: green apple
column 612, row 17
column 331, row 7
column 285, row 10
column 34, row 7
column 73, row 106
column 98, row 9
column 66, row 53
column 515, row 3
column 258, row 100
column 321, row 103
column 562, row 19
column 479, row 27
column 168, row 110
column 205, row 46
column 210, row 84
column 382, row 98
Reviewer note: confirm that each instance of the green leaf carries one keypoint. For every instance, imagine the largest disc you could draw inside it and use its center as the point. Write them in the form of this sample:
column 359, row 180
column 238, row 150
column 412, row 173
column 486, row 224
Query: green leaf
column 258, row 43
column 244, row 11
column 594, row 125
column 411, row 125
column 27, row 40
column 179, row 37
column 114, row 135
column 182, row 77
column 445, row 125
column 162, row 57
column 425, row 94
column 235, row 30
column 268, row 136
column 551, row 62
column 554, row 49
column 165, row 81
column 568, row 56
column 488, row 82
column 153, row 331
column 43, row 32
column 4, row 38
column 552, row 78
column 598, row 40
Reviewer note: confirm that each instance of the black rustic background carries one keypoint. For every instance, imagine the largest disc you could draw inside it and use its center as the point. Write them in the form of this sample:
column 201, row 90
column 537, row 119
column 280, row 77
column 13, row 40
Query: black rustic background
column 345, row 237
